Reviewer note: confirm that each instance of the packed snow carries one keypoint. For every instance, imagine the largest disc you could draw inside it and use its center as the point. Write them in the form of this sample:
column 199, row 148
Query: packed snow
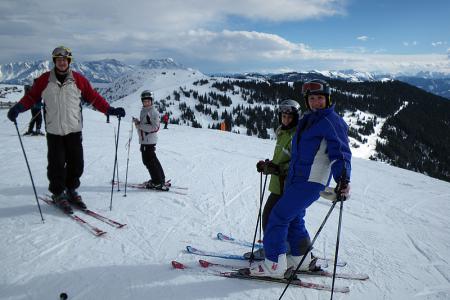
column 395, row 226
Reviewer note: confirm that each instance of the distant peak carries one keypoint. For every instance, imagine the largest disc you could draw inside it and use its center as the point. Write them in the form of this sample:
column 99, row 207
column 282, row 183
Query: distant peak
column 162, row 63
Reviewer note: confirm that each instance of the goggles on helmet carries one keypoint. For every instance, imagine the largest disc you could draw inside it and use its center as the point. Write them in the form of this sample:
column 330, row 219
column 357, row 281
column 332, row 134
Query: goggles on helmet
column 62, row 51
column 287, row 109
column 314, row 87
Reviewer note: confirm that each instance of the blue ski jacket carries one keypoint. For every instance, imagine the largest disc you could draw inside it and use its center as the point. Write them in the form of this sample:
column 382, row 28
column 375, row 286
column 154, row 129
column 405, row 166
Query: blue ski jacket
column 320, row 148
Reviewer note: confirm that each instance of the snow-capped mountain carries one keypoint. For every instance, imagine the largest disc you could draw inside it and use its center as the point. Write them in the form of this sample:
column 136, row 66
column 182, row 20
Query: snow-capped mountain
column 378, row 112
column 100, row 71
column 165, row 63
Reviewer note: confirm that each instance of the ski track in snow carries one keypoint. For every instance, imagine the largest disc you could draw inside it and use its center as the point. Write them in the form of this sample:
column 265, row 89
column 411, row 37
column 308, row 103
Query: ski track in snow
column 395, row 226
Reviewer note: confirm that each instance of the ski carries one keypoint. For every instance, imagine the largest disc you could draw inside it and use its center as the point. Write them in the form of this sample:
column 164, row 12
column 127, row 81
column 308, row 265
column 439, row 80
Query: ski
column 226, row 238
column 324, row 273
column 168, row 183
column 196, row 251
column 241, row 275
column 141, row 186
column 96, row 215
column 103, row 218
column 91, row 228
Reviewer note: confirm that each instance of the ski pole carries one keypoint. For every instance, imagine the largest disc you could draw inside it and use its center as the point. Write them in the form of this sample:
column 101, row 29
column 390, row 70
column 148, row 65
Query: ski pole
column 29, row 171
column 128, row 158
column 342, row 182
column 261, row 191
column 115, row 163
column 337, row 244
column 308, row 250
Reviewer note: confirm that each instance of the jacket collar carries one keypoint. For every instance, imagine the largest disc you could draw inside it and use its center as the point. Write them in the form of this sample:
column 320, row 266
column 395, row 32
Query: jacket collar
column 69, row 77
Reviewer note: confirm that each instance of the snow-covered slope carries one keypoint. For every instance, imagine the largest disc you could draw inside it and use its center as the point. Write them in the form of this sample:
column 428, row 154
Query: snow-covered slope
column 395, row 226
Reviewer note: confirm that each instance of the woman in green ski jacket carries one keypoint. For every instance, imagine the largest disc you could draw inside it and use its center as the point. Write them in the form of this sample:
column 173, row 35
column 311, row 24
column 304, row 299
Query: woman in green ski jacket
column 278, row 167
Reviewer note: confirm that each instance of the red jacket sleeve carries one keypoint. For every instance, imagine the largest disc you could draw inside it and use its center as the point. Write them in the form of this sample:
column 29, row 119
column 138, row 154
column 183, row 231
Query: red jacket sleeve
column 89, row 94
column 34, row 94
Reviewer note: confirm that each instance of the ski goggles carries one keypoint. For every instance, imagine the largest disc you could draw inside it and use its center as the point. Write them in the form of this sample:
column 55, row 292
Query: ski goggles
column 313, row 87
column 62, row 52
column 286, row 109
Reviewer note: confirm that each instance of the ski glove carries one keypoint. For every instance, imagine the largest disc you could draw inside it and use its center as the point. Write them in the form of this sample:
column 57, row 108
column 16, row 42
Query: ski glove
column 268, row 167
column 15, row 111
column 119, row 112
column 342, row 190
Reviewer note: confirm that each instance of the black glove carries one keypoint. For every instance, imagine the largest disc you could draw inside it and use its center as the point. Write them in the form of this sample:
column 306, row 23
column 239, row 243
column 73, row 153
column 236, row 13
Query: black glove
column 267, row 167
column 15, row 111
column 119, row 112
column 260, row 166
column 271, row 168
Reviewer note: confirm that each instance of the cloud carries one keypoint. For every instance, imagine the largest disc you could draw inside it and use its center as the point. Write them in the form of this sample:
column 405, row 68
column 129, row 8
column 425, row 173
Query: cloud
column 439, row 43
column 413, row 43
column 197, row 33
column 362, row 38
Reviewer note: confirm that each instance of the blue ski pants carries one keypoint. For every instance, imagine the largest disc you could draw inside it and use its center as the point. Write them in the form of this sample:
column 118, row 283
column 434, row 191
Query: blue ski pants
column 286, row 220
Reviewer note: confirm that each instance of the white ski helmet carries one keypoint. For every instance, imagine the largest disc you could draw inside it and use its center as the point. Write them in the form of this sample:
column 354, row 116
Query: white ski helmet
column 147, row 95
column 290, row 107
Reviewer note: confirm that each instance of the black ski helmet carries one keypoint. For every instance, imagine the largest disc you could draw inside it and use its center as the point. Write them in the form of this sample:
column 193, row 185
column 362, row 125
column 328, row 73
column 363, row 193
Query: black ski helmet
column 290, row 107
column 147, row 95
column 316, row 87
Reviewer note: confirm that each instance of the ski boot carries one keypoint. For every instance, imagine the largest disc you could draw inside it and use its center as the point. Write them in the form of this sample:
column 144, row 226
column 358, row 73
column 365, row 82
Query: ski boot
column 75, row 199
column 29, row 132
column 257, row 254
column 308, row 265
column 268, row 268
column 156, row 186
column 62, row 202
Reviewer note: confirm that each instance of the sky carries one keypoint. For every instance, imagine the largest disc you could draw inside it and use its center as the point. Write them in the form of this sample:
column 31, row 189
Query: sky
column 383, row 36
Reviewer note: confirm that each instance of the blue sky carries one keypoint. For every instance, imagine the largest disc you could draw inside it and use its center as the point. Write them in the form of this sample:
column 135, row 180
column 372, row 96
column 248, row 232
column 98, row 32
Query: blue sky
column 236, row 35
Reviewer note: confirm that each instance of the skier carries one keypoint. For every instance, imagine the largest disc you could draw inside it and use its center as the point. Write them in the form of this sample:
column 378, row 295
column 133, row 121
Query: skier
column 147, row 127
column 36, row 116
column 288, row 116
column 319, row 149
column 62, row 91
column 166, row 120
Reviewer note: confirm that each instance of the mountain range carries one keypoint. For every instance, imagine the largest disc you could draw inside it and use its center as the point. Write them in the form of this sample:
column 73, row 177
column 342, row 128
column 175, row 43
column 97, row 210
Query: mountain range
column 389, row 120
column 107, row 70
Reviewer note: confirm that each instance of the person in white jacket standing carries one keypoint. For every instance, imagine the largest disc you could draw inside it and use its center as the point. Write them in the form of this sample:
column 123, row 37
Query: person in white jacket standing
column 147, row 127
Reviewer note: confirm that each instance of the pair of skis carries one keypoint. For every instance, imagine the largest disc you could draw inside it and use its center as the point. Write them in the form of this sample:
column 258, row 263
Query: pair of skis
column 91, row 228
column 236, row 271
column 168, row 184
column 216, row 269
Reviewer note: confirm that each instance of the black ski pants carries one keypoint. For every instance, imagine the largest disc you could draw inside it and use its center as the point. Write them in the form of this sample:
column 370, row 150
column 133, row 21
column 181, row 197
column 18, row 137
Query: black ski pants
column 36, row 118
column 270, row 203
column 152, row 163
column 65, row 161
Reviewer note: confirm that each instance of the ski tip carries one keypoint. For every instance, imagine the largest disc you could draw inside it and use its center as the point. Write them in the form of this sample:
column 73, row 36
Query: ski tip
column 190, row 249
column 204, row 263
column 100, row 233
column 121, row 225
column 223, row 237
column 178, row 265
